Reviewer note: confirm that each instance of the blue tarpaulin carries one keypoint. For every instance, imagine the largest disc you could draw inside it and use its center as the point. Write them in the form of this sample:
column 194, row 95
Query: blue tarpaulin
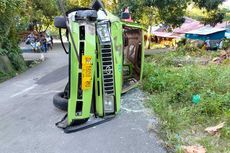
column 227, row 34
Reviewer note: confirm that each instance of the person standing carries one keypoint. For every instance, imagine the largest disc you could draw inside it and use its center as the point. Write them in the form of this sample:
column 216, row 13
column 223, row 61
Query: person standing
column 49, row 42
column 43, row 43
column 52, row 42
column 207, row 42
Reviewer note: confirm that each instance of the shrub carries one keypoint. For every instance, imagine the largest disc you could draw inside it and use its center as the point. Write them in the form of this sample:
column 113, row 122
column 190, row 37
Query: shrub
column 226, row 44
column 11, row 49
column 9, row 11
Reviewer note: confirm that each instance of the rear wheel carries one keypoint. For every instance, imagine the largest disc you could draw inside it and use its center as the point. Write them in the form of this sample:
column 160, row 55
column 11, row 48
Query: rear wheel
column 60, row 101
column 66, row 91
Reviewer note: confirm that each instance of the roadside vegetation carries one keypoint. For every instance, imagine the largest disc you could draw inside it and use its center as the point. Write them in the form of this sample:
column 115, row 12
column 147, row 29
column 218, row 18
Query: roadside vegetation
column 18, row 19
column 21, row 17
column 9, row 39
column 172, row 85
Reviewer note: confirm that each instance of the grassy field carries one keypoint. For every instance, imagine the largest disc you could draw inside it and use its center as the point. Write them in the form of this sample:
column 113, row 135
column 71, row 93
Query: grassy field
column 171, row 88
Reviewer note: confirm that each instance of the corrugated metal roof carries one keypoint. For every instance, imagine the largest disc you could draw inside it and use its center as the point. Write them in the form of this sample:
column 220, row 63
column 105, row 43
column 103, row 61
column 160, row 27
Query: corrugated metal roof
column 165, row 34
column 188, row 25
column 222, row 25
column 206, row 30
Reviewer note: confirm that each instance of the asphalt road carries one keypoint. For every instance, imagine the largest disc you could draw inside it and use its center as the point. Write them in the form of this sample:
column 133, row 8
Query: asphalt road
column 28, row 117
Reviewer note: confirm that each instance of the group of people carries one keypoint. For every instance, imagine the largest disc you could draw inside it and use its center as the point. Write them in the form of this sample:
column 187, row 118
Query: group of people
column 40, row 42
column 212, row 44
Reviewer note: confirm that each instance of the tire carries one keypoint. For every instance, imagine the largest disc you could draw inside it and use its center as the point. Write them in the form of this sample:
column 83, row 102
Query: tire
column 60, row 102
column 91, row 15
column 60, row 22
column 67, row 91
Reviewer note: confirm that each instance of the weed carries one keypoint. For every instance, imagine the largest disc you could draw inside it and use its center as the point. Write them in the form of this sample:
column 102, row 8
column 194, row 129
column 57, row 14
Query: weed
column 172, row 89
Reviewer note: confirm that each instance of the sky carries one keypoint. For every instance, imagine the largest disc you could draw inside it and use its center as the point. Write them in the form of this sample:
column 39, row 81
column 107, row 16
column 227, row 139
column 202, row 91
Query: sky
column 227, row 4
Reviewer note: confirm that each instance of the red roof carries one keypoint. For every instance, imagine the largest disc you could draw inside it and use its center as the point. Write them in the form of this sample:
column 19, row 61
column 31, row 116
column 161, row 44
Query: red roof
column 165, row 34
column 188, row 26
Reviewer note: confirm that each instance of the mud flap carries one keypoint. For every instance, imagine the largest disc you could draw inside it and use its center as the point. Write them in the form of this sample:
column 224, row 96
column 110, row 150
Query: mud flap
column 63, row 124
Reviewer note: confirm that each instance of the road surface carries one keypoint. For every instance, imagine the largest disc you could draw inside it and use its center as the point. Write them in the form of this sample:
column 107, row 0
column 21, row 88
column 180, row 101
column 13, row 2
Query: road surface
column 28, row 117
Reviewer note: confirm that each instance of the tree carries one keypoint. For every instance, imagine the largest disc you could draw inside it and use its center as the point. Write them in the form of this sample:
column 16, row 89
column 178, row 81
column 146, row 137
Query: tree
column 9, row 10
column 77, row 3
column 109, row 4
column 39, row 13
column 135, row 7
column 159, row 10
column 209, row 5
column 214, row 14
column 171, row 12
column 227, row 14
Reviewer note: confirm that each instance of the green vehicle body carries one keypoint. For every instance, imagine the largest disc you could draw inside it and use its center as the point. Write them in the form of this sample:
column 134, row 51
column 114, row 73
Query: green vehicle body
column 87, row 77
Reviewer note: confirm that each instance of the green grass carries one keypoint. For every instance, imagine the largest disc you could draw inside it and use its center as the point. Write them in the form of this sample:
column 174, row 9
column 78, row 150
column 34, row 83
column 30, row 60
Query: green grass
column 171, row 89
column 4, row 76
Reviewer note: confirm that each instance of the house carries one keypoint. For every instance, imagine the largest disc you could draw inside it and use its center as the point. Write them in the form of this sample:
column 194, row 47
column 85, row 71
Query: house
column 160, row 33
column 190, row 29
column 205, row 33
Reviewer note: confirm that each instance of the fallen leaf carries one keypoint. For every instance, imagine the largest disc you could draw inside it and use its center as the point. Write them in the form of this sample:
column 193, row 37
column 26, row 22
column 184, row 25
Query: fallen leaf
column 216, row 59
column 214, row 130
column 193, row 149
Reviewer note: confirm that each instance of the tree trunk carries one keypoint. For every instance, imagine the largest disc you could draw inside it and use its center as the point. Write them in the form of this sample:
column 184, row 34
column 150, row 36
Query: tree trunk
column 150, row 31
column 46, row 28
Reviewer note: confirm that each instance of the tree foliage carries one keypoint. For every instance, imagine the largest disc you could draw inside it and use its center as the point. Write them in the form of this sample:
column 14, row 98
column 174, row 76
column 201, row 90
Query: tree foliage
column 109, row 4
column 135, row 7
column 209, row 5
column 227, row 14
column 78, row 3
column 39, row 13
column 214, row 15
column 172, row 12
column 9, row 10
